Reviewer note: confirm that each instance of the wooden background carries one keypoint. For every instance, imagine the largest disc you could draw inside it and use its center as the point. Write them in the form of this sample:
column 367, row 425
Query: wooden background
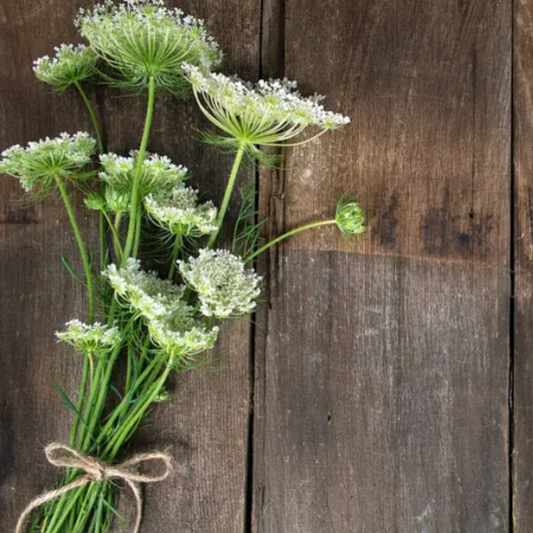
column 382, row 388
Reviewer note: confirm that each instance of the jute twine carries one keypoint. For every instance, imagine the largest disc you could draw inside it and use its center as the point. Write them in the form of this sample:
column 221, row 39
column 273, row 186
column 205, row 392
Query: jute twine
column 64, row 456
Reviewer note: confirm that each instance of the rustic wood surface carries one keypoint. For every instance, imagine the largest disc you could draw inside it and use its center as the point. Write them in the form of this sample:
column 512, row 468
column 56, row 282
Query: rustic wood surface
column 382, row 371
column 379, row 372
column 523, row 286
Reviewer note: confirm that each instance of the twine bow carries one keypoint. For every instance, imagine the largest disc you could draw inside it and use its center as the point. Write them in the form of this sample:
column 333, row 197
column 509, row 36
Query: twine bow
column 64, row 456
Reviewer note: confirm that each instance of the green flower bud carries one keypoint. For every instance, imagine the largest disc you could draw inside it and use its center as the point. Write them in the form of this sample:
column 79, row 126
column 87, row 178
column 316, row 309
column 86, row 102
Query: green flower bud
column 350, row 218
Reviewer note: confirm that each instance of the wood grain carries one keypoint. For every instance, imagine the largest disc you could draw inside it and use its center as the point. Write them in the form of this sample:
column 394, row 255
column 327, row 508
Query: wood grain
column 523, row 216
column 381, row 393
column 205, row 422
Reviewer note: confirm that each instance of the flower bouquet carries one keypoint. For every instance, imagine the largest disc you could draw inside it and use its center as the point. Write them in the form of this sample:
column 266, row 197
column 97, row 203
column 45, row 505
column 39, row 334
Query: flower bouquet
column 164, row 320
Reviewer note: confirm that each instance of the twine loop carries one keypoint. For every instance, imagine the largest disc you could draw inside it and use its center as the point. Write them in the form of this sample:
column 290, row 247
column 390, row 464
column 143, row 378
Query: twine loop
column 96, row 471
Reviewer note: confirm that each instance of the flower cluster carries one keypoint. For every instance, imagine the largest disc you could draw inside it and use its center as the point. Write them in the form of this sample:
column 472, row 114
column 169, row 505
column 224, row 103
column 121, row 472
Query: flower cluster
column 182, row 336
column 71, row 64
column 350, row 218
column 144, row 292
column 142, row 39
column 170, row 319
column 178, row 211
column 267, row 113
column 40, row 163
column 225, row 288
column 92, row 338
column 158, row 174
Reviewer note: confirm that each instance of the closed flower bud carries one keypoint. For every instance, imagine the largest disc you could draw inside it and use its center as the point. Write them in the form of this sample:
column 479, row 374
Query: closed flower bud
column 350, row 218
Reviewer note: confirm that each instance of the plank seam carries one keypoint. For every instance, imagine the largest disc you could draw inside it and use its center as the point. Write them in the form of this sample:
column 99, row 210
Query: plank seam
column 512, row 281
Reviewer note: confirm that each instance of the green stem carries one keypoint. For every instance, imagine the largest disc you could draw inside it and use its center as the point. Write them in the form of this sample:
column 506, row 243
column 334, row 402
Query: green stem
column 227, row 196
column 101, row 149
column 177, row 246
column 81, row 399
column 88, row 408
column 126, row 400
column 90, row 108
column 135, row 416
column 81, row 245
column 135, row 193
column 116, row 237
column 102, row 388
column 286, row 235
column 137, row 241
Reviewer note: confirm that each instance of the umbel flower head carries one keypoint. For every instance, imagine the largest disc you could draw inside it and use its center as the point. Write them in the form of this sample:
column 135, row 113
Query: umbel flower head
column 158, row 174
column 182, row 336
column 178, row 211
column 268, row 113
column 144, row 293
column 40, row 163
column 142, row 39
column 92, row 338
column 350, row 218
column 71, row 64
column 225, row 287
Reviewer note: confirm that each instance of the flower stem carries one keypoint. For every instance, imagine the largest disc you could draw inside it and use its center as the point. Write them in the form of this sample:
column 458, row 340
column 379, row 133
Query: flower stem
column 90, row 108
column 286, row 235
column 177, row 246
column 135, row 193
column 81, row 245
column 81, row 399
column 116, row 236
column 101, row 149
column 135, row 417
column 227, row 196
column 137, row 240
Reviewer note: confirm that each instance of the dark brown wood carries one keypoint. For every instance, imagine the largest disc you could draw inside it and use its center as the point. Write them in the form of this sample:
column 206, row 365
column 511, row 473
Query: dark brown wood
column 523, row 326
column 381, row 399
column 205, row 422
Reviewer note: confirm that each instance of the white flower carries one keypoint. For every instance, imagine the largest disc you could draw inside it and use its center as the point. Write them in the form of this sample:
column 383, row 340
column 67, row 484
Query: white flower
column 267, row 113
column 144, row 292
column 71, row 64
column 182, row 336
column 41, row 162
column 225, row 288
column 178, row 211
column 158, row 174
column 90, row 338
column 143, row 39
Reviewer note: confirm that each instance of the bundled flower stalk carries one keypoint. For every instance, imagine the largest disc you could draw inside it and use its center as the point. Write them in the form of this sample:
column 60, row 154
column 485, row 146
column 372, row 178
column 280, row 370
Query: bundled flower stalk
column 159, row 324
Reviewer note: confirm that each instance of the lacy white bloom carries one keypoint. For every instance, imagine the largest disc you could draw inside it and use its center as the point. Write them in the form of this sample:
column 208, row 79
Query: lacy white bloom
column 71, row 64
column 158, row 174
column 181, row 336
column 41, row 162
column 90, row 338
column 144, row 292
column 350, row 218
column 178, row 211
column 267, row 113
column 225, row 288
column 143, row 39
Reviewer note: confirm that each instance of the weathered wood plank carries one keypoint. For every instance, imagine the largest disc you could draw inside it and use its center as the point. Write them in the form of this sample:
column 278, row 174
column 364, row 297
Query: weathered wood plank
column 523, row 326
column 381, row 400
column 205, row 422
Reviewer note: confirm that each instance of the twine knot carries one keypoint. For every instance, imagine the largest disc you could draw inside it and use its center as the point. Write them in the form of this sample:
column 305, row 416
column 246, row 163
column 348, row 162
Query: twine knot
column 96, row 471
